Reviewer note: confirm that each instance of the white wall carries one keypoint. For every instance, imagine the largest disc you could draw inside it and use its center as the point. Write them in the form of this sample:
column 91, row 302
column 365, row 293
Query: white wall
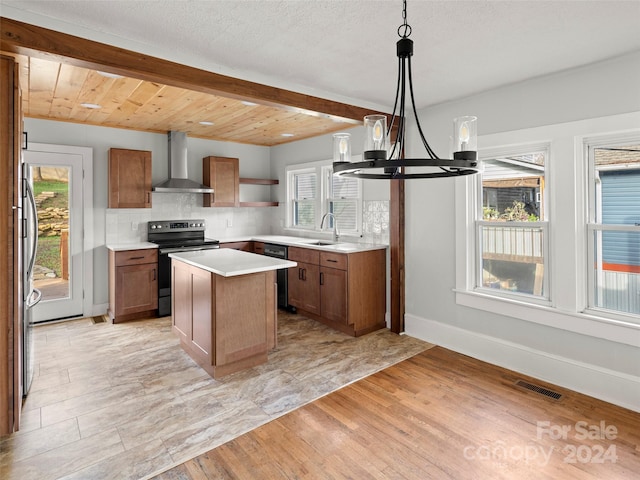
column 603, row 368
column 117, row 225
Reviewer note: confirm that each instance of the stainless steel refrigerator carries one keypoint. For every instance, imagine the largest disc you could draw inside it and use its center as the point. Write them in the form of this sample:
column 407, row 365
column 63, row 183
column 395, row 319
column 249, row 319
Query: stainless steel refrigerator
column 30, row 295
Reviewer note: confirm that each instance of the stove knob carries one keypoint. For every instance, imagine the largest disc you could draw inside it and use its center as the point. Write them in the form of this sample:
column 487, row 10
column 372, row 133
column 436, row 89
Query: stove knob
column 153, row 227
column 192, row 224
column 159, row 226
column 202, row 224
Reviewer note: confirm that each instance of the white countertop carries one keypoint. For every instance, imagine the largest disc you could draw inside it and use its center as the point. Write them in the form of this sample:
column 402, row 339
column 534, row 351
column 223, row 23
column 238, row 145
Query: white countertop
column 116, row 247
column 229, row 263
column 291, row 241
column 327, row 245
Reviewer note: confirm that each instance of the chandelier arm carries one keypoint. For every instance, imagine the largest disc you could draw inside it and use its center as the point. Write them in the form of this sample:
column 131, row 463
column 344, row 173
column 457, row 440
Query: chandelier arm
column 430, row 151
column 395, row 108
column 395, row 102
column 399, row 143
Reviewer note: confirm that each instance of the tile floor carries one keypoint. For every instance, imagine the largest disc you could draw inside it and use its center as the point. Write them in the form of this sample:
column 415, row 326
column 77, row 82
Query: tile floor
column 124, row 401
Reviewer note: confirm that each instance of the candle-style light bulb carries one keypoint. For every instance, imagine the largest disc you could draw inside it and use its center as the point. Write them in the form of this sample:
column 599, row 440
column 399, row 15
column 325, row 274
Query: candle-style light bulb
column 343, row 148
column 464, row 136
column 378, row 134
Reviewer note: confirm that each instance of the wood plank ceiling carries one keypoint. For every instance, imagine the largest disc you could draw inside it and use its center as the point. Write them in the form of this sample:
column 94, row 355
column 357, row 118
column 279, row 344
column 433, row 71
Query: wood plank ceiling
column 57, row 91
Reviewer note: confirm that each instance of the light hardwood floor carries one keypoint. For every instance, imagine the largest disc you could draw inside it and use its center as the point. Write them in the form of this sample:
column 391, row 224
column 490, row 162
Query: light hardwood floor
column 124, row 401
column 438, row 415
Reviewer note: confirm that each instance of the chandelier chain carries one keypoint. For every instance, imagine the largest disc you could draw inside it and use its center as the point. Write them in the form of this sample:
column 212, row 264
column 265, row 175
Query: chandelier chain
column 404, row 30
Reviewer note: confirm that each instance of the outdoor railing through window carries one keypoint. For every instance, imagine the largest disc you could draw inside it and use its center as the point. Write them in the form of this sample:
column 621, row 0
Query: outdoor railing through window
column 513, row 256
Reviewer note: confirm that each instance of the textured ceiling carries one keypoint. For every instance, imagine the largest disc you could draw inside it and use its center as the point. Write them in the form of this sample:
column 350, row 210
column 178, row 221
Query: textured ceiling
column 345, row 49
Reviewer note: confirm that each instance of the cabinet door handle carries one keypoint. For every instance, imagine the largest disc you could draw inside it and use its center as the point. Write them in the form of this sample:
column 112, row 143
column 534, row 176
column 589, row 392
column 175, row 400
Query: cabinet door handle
column 332, row 261
column 321, row 278
column 136, row 258
column 299, row 274
column 154, row 274
column 304, row 274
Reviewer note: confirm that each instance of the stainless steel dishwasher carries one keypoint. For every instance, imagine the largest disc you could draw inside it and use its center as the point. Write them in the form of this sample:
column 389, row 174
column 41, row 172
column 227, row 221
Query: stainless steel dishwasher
column 280, row 251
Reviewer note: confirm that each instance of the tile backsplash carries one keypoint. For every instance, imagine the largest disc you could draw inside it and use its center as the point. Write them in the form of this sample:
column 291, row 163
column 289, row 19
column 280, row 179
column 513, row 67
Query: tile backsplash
column 375, row 221
column 130, row 225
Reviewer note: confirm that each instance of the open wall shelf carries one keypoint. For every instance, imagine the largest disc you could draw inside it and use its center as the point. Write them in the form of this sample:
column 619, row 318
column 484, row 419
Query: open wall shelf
column 258, row 181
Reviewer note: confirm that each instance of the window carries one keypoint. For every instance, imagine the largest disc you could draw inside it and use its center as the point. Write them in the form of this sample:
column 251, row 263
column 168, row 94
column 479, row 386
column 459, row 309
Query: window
column 314, row 191
column 303, row 200
column 614, row 228
column 590, row 277
column 511, row 225
column 343, row 199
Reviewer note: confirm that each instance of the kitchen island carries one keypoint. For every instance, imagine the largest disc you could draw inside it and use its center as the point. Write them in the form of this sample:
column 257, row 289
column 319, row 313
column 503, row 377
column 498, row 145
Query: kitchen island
column 224, row 307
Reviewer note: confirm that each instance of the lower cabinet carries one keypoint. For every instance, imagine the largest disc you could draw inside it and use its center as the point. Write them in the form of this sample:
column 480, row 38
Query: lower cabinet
column 133, row 284
column 333, row 294
column 304, row 286
column 225, row 324
column 344, row 291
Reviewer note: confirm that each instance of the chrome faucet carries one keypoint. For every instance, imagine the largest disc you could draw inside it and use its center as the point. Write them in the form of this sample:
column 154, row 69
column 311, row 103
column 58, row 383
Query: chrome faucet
column 336, row 233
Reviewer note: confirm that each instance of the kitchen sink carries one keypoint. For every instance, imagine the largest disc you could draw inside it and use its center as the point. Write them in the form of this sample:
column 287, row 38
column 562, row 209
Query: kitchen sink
column 320, row 243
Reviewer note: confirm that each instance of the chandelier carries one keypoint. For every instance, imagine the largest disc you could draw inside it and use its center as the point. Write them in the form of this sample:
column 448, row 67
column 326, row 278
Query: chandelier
column 383, row 160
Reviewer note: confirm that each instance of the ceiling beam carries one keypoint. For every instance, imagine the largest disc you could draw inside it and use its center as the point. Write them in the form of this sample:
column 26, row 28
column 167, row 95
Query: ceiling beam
column 22, row 38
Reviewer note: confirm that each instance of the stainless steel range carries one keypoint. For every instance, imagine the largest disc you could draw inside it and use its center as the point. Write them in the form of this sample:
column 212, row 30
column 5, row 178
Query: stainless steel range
column 173, row 236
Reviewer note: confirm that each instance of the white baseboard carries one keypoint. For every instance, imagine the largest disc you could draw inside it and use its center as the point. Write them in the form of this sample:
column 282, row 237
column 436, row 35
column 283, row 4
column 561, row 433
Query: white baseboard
column 99, row 309
column 608, row 385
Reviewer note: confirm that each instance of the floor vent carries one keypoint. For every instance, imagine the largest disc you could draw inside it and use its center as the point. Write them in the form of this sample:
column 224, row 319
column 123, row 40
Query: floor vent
column 99, row 319
column 538, row 389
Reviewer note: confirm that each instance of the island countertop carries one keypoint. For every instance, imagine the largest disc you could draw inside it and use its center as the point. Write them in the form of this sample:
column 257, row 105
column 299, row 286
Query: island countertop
column 229, row 263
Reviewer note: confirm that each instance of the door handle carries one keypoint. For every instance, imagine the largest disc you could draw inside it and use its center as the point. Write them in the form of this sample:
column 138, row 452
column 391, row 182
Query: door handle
column 299, row 274
column 304, row 274
column 154, row 274
column 321, row 278
column 136, row 258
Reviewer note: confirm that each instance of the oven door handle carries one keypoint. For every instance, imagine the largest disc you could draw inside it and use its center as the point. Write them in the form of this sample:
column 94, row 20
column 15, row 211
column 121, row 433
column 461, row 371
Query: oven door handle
column 164, row 251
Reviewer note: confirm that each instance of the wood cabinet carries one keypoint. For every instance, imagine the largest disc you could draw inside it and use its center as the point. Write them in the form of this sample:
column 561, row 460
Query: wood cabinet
column 226, row 324
column 133, row 284
column 344, row 291
column 129, row 178
column 304, row 286
column 258, row 247
column 221, row 174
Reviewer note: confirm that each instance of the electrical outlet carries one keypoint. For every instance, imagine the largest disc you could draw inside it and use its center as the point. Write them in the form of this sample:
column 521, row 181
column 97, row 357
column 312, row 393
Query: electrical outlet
column 229, row 223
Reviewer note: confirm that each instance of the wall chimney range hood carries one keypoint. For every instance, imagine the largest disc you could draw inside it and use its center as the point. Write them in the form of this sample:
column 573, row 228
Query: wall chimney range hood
column 178, row 180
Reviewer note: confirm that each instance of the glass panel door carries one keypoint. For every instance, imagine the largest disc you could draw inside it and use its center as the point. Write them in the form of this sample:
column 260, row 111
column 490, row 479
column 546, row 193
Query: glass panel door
column 51, row 192
column 57, row 185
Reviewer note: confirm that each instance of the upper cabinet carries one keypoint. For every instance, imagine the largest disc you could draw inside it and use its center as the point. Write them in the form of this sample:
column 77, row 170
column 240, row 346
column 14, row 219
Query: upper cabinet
column 129, row 178
column 222, row 174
